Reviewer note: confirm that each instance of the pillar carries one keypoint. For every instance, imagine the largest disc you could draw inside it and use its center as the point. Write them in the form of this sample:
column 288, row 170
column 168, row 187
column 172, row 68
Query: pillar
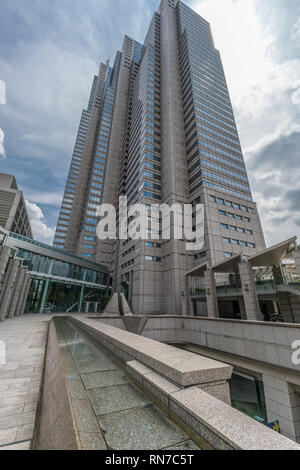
column 242, row 309
column 188, row 304
column 283, row 405
column 8, row 286
column 22, row 293
column 278, row 275
column 249, row 292
column 4, row 259
column 17, row 292
column 211, row 294
column 297, row 260
column 286, row 308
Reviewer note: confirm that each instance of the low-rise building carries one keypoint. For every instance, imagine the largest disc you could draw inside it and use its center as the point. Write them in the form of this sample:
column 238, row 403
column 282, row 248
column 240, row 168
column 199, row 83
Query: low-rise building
column 56, row 281
column 13, row 212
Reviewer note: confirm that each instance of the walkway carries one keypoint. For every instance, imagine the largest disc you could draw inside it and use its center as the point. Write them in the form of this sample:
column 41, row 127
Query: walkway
column 21, row 378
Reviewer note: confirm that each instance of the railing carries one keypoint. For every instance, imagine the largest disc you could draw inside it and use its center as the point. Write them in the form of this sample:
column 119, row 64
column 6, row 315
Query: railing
column 70, row 304
column 266, row 287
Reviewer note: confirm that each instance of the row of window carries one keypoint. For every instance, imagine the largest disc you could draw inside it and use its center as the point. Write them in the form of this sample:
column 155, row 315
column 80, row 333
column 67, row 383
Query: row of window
column 238, row 242
column 217, row 159
column 234, row 216
column 233, row 228
column 235, row 205
column 156, row 259
column 216, row 177
column 209, row 184
column 126, row 265
column 213, row 166
column 126, row 253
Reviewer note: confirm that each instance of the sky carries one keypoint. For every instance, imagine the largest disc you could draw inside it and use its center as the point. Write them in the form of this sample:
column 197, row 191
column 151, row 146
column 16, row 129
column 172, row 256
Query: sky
column 50, row 51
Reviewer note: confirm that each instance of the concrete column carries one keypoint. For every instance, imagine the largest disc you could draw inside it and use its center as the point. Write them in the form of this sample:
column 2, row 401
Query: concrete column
column 286, row 308
column 297, row 260
column 8, row 287
column 22, row 293
column 4, row 258
column 278, row 275
column 17, row 292
column 249, row 292
column 283, row 404
column 29, row 281
column 275, row 306
column 242, row 310
column 211, row 294
column 187, row 306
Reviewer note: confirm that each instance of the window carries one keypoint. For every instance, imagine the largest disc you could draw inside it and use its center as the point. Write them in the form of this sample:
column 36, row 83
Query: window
column 220, row 201
column 235, row 242
column 91, row 221
column 243, row 243
column 213, row 199
column 152, row 258
column 228, row 255
column 86, row 228
column 232, row 228
column 224, row 226
column 228, row 203
column 222, row 213
column 226, row 240
column 251, row 245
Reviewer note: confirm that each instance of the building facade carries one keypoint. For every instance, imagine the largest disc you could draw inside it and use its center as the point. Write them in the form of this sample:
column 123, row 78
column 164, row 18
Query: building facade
column 38, row 278
column 13, row 212
column 161, row 124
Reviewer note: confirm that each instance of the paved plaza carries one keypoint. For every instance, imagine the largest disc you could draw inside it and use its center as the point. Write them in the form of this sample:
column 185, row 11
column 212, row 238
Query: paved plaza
column 21, row 378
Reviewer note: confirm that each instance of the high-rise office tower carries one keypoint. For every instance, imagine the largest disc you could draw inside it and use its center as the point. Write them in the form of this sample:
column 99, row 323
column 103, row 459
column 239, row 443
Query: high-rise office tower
column 160, row 129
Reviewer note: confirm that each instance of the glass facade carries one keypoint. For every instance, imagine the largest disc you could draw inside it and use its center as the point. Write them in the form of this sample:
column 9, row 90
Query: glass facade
column 61, row 282
column 247, row 396
column 212, row 142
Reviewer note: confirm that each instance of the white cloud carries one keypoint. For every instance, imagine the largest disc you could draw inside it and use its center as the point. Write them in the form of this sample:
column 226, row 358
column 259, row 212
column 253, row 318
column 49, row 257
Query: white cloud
column 255, row 80
column 43, row 197
column 41, row 231
column 296, row 96
column 2, row 149
column 265, row 94
column 2, row 92
column 296, row 30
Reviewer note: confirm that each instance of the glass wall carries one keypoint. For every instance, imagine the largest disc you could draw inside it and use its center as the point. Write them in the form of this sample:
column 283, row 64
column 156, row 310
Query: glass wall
column 247, row 396
column 43, row 264
column 60, row 297
column 35, row 296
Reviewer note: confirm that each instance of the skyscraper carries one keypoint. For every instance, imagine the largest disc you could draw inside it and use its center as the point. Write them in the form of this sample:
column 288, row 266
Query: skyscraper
column 160, row 129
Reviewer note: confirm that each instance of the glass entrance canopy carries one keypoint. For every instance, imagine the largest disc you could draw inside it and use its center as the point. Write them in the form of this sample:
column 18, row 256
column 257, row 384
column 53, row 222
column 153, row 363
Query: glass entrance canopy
column 61, row 282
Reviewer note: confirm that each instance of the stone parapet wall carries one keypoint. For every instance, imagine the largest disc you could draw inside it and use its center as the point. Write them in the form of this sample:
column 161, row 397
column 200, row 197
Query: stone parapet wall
column 170, row 377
